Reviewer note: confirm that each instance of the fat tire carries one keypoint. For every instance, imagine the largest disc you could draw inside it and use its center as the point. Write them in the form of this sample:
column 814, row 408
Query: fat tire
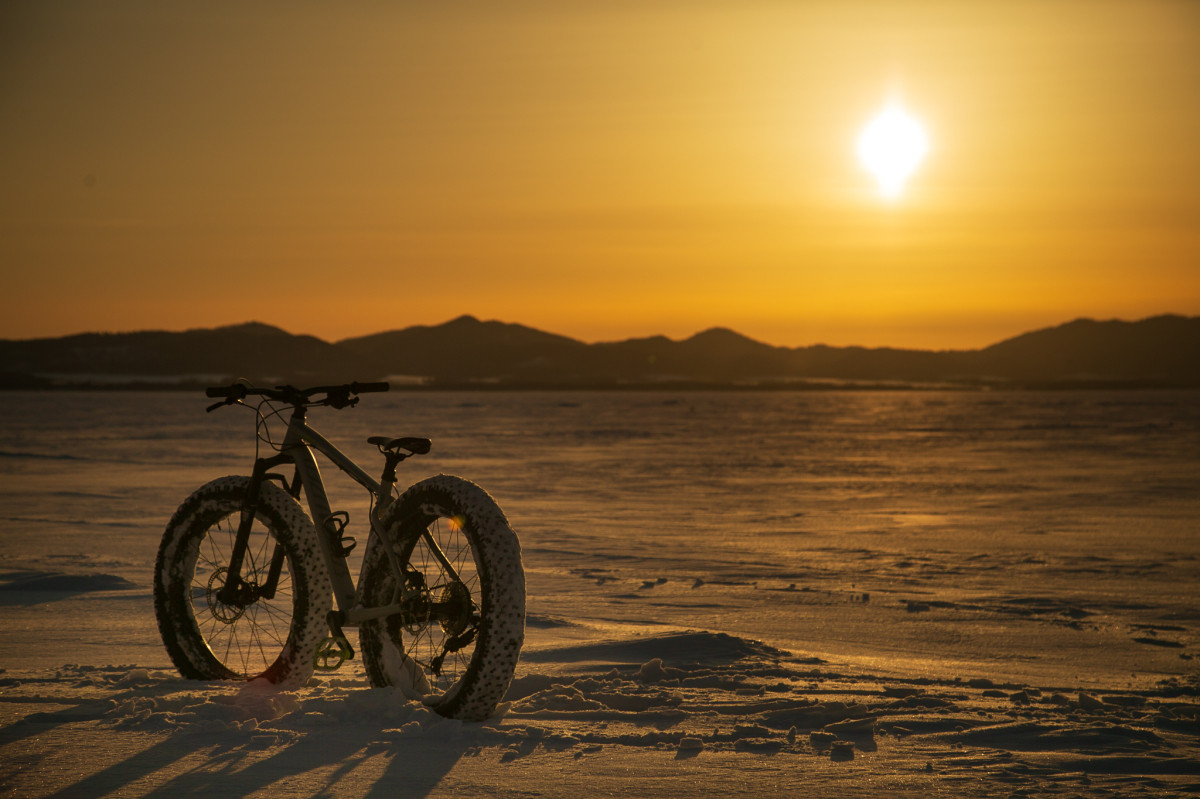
column 473, row 688
column 176, row 598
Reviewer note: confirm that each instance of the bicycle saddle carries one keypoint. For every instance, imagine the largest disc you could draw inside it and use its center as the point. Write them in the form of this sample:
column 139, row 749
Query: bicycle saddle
column 417, row 446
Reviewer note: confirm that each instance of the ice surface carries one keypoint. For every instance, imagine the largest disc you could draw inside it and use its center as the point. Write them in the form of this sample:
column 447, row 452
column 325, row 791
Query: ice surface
column 827, row 593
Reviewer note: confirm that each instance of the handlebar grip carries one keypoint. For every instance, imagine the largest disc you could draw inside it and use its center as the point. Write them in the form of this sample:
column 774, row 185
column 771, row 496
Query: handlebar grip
column 367, row 388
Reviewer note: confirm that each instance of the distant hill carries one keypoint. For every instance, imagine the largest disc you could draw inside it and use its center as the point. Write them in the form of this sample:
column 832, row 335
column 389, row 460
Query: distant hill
column 1160, row 348
column 466, row 349
column 255, row 350
column 1160, row 351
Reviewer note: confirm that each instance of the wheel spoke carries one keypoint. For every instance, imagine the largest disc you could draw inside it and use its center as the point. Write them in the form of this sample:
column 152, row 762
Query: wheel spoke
column 442, row 554
column 247, row 636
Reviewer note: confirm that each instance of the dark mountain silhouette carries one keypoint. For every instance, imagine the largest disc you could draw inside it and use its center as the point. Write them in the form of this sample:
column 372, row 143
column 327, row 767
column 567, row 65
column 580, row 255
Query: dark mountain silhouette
column 718, row 355
column 886, row 364
column 253, row 350
column 466, row 348
column 1159, row 348
column 1160, row 351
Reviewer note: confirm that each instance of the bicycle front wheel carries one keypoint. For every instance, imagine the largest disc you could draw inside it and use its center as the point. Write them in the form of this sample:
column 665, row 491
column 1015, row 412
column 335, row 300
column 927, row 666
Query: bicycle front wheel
column 271, row 620
column 456, row 641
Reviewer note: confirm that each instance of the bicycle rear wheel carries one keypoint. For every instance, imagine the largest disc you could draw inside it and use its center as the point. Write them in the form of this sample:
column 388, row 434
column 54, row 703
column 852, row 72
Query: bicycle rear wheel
column 455, row 644
column 272, row 626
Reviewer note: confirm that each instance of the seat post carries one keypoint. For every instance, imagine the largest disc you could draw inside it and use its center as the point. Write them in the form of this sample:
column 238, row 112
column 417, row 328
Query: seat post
column 388, row 479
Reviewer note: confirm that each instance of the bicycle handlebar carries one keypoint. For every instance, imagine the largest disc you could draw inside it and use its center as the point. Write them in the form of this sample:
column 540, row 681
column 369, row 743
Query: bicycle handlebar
column 338, row 396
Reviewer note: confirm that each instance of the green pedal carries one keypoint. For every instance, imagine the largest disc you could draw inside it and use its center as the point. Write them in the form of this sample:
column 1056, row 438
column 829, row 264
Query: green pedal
column 331, row 654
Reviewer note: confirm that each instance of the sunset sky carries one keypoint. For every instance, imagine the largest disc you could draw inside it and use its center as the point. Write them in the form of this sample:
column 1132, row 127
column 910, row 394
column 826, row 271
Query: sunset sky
column 599, row 169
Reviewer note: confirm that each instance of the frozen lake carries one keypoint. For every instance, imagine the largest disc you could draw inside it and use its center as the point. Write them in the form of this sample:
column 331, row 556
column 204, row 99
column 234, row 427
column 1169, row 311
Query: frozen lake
column 974, row 593
column 759, row 514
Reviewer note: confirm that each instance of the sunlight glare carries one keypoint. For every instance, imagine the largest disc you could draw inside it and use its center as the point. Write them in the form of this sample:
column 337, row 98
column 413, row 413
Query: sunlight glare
column 891, row 147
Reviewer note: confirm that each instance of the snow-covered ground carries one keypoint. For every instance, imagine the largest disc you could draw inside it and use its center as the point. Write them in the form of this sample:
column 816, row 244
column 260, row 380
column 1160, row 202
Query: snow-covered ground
column 828, row 594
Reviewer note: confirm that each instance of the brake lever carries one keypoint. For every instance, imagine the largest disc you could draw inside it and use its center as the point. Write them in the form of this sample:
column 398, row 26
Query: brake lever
column 223, row 403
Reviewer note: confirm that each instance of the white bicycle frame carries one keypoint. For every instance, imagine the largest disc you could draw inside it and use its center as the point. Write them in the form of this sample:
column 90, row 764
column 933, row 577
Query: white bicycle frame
column 296, row 445
column 297, row 448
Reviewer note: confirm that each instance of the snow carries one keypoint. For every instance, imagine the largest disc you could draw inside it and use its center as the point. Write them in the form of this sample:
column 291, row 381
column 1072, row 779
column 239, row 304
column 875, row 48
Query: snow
column 931, row 597
column 86, row 730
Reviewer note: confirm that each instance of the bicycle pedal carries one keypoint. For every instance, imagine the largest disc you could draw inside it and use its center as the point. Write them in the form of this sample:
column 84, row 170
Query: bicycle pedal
column 332, row 653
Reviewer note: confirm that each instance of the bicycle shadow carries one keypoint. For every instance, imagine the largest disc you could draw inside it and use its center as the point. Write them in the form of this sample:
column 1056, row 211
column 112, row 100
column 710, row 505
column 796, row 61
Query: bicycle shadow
column 34, row 725
column 313, row 765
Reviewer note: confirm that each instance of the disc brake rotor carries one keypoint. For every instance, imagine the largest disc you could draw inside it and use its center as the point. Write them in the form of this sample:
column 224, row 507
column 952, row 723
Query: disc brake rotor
column 227, row 614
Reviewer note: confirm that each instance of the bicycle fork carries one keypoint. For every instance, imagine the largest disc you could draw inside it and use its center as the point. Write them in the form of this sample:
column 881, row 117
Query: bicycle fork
column 239, row 594
column 236, row 592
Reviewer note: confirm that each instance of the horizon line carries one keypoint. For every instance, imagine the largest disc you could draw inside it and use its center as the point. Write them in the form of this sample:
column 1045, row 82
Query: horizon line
column 713, row 328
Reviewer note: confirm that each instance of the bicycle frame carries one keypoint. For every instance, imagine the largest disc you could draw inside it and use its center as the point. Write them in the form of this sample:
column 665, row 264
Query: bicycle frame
column 298, row 444
column 297, row 449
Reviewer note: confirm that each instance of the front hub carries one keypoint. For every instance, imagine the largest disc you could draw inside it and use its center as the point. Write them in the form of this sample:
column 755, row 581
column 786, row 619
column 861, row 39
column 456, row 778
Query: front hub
column 227, row 603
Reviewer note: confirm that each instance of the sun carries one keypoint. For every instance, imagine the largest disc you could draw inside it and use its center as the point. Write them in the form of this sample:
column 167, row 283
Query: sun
column 891, row 147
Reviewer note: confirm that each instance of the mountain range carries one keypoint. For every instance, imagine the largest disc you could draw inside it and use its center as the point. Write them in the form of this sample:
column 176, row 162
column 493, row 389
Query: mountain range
column 1159, row 351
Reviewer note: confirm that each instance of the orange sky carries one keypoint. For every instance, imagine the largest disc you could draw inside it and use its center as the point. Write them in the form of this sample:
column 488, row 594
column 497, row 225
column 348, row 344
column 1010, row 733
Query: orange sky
column 596, row 169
